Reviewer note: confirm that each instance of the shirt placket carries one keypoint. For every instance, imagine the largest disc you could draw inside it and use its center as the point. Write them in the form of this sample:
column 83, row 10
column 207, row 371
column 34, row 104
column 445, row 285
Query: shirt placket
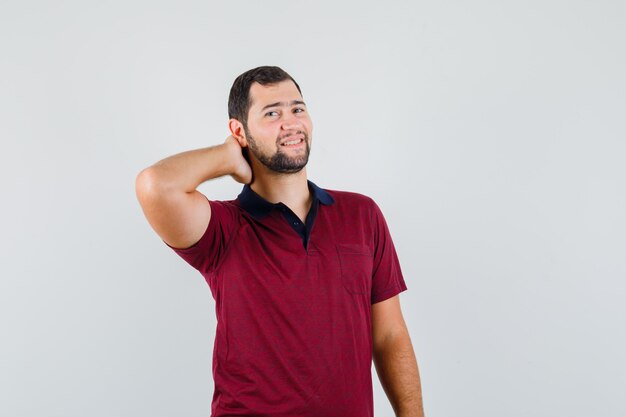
column 303, row 229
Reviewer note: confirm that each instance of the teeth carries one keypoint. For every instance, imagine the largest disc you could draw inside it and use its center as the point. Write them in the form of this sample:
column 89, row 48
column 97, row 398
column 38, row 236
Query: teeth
column 292, row 142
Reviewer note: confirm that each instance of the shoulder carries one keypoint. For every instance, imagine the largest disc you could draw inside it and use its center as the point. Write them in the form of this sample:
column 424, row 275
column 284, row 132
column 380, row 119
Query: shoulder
column 352, row 200
column 226, row 209
column 227, row 204
column 230, row 205
column 349, row 196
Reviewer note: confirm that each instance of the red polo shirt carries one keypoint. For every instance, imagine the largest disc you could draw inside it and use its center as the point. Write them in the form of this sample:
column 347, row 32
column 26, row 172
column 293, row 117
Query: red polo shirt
column 293, row 303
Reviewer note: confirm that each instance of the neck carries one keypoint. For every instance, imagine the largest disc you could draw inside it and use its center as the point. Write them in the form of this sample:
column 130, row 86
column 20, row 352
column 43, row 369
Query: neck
column 290, row 189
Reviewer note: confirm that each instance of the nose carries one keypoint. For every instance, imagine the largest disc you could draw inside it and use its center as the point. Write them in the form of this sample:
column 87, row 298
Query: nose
column 291, row 122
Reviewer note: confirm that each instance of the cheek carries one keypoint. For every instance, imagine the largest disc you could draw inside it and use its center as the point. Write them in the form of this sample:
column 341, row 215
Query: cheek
column 267, row 133
column 306, row 123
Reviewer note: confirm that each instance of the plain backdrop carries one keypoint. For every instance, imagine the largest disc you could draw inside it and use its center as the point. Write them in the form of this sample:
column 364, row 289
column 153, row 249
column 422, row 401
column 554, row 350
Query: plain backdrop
column 491, row 134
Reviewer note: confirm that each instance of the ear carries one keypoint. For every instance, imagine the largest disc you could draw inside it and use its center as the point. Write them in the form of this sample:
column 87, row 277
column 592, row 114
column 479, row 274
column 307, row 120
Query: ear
column 238, row 132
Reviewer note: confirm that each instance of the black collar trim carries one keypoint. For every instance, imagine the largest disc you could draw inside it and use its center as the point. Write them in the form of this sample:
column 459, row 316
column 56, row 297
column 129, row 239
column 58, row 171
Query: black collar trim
column 258, row 207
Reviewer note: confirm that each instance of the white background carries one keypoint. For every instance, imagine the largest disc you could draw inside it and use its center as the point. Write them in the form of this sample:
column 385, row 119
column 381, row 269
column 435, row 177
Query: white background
column 491, row 133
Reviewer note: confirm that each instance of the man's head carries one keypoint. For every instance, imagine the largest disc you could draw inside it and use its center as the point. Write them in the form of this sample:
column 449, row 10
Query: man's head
column 239, row 99
column 268, row 115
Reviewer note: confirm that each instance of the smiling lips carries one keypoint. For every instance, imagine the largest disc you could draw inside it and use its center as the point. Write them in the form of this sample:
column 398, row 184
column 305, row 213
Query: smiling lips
column 293, row 142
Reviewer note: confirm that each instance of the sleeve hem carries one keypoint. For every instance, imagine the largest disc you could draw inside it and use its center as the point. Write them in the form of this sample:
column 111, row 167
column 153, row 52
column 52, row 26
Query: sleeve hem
column 389, row 293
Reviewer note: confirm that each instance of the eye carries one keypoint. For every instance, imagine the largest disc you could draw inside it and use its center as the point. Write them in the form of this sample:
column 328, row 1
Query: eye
column 269, row 113
column 298, row 110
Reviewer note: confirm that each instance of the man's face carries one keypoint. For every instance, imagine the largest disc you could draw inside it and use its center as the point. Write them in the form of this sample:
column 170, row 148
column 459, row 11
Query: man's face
column 279, row 127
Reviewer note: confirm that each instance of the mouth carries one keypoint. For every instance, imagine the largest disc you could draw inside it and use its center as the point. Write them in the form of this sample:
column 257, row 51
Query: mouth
column 293, row 142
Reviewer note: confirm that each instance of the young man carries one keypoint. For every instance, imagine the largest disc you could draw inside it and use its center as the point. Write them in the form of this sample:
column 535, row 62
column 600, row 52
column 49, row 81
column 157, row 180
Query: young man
column 305, row 280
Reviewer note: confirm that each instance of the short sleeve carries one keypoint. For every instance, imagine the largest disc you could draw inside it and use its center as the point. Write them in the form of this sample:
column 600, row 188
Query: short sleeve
column 205, row 255
column 387, row 279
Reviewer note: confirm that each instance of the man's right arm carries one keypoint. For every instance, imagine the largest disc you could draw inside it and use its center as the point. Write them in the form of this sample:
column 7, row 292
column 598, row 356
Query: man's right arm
column 177, row 212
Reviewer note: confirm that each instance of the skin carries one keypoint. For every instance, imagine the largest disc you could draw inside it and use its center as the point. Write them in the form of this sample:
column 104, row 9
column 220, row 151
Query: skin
column 179, row 214
column 394, row 359
column 266, row 128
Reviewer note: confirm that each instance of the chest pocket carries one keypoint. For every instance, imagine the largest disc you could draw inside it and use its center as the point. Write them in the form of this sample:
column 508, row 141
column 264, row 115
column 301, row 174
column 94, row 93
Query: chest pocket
column 355, row 263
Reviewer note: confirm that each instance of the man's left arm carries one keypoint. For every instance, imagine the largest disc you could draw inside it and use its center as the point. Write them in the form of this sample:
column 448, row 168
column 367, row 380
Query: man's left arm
column 394, row 359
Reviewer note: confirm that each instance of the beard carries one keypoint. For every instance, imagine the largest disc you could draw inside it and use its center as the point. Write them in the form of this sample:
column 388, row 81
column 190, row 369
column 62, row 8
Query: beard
column 280, row 161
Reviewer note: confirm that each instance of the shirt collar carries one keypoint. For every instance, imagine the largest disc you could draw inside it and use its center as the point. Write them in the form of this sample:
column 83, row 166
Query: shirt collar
column 259, row 207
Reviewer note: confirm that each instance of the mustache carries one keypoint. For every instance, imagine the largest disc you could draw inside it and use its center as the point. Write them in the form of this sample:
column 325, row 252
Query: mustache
column 299, row 132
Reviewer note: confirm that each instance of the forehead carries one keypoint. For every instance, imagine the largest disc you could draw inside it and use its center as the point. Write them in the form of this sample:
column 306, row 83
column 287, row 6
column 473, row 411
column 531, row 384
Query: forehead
column 261, row 95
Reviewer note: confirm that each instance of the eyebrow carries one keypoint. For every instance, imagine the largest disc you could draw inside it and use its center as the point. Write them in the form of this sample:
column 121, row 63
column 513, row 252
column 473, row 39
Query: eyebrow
column 282, row 103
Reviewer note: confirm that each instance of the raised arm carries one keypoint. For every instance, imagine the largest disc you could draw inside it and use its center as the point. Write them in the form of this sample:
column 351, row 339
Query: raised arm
column 177, row 212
